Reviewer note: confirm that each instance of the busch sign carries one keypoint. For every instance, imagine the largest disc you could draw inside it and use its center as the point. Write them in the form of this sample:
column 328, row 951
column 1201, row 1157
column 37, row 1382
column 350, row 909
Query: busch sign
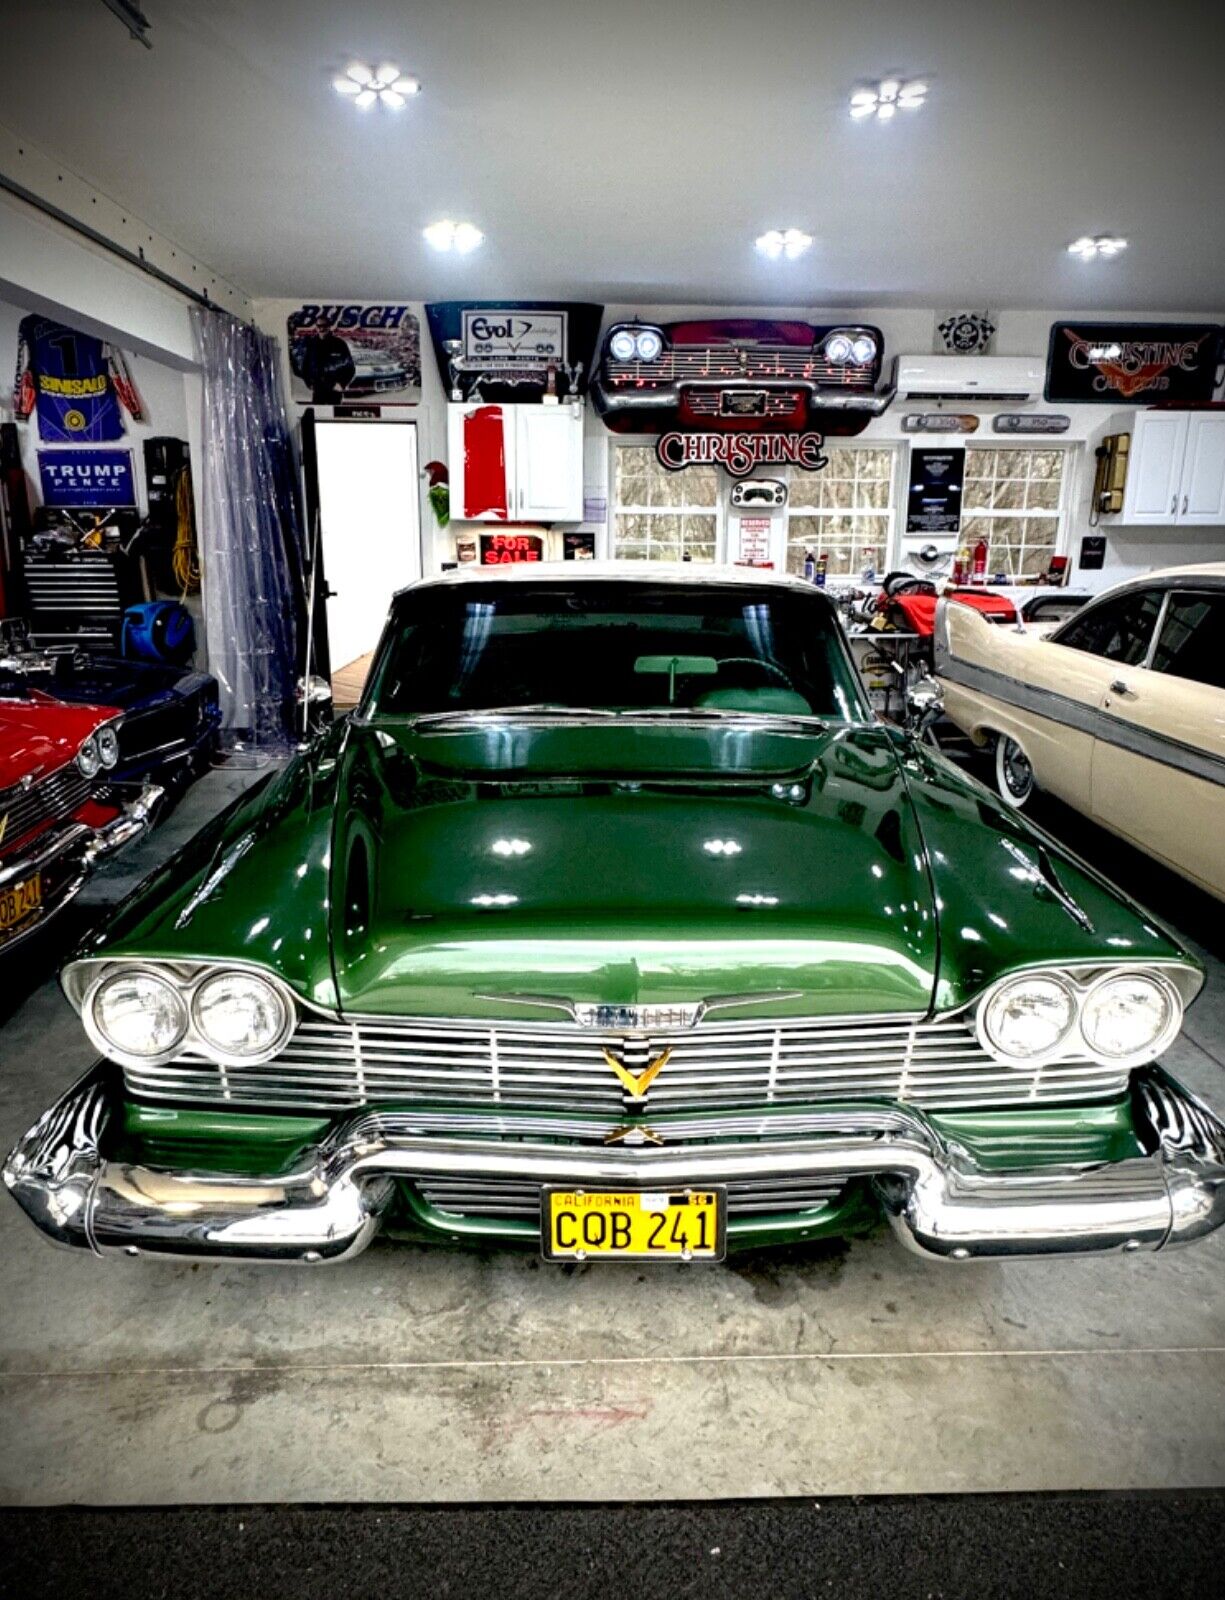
column 739, row 453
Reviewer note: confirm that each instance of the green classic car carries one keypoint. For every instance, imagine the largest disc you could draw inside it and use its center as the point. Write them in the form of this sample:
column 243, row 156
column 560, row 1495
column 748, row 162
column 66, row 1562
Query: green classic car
column 613, row 923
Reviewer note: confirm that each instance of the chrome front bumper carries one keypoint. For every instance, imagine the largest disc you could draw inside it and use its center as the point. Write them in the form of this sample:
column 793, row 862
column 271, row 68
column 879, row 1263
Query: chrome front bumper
column 328, row 1208
column 76, row 848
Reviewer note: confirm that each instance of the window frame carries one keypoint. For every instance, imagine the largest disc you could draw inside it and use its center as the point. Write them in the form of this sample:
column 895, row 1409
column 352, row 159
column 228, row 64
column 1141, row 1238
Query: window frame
column 1174, row 591
column 887, row 549
column 1112, row 598
column 1068, row 452
column 718, row 510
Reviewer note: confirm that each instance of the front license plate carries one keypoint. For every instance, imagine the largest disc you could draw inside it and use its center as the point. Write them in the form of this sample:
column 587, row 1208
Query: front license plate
column 633, row 1224
column 19, row 901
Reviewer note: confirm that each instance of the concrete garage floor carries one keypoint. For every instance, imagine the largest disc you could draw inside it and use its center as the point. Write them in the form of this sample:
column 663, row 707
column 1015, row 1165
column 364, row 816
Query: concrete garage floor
column 418, row 1375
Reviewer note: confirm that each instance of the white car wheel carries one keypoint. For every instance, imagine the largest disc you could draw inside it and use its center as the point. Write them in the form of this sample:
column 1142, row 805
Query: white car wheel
column 1014, row 777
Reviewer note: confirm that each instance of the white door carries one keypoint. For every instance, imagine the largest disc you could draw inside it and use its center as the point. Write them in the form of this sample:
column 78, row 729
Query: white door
column 370, row 527
column 1202, row 499
column 549, row 463
column 1154, row 468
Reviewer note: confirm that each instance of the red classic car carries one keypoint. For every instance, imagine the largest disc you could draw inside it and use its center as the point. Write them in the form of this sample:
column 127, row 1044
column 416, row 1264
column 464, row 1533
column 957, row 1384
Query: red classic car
column 58, row 810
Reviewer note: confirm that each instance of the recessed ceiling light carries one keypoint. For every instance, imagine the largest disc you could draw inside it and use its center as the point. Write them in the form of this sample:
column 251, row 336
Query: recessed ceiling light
column 883, row 99
column 458, row 236
column 789, row 242
column 1105, row 244
column 384, row 85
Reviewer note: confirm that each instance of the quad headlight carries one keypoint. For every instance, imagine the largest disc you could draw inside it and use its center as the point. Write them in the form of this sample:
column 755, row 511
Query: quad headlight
column 1127, row 1016
column 636, row 344
column 107, row 741
column 1029, row 1017
column 146, row 1015
column 1121, row 1016
column 240, row 1017
column 88, row 757
column 137, row 1017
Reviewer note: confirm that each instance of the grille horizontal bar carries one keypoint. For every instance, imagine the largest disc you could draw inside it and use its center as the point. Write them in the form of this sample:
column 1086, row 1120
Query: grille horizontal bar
column 331, row 1065
column 519, row 1197
column 53, row 798
column 718, row 362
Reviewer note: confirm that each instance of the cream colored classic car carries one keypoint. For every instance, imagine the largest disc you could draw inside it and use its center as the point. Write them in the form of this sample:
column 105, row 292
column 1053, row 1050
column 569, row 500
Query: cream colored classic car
column 1119, row 711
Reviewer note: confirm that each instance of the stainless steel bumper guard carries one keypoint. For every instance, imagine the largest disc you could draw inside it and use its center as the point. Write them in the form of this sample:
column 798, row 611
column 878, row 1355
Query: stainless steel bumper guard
column 328, row 1208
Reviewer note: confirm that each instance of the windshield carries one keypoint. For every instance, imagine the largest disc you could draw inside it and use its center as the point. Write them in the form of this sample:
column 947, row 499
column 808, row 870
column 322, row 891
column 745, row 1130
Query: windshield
column 614, row 647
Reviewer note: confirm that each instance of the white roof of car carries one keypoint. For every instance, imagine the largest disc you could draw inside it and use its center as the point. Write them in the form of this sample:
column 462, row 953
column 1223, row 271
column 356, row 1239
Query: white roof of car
column 639, row 571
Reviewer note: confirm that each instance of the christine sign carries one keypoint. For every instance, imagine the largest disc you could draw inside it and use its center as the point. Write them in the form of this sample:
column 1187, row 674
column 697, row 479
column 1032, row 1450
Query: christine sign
column 739, row 453
column 1107, row 362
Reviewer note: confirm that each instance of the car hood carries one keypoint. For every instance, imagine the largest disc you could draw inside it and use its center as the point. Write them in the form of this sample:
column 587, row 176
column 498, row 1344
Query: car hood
column 628, row 865
column 38, row 734
column 850, row 872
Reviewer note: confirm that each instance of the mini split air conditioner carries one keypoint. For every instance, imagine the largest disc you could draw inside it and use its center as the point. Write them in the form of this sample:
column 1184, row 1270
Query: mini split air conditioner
column 972, row 378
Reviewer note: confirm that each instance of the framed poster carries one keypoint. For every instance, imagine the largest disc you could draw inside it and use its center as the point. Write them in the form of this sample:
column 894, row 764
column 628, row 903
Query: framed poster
column 341, row 353
column 933, row 502
column 578, row 546
column 87, row 478
column 1109, row 363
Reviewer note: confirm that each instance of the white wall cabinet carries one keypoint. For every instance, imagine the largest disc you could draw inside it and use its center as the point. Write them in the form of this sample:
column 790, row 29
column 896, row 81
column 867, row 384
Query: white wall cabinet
column 515, row 463
column 1176, row 470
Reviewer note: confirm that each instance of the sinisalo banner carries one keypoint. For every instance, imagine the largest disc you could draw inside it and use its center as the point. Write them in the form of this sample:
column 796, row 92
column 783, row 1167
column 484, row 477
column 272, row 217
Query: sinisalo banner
column 355, row 351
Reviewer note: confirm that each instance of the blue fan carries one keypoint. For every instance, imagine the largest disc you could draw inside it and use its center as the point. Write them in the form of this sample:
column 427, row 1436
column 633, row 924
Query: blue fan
column 159, row 630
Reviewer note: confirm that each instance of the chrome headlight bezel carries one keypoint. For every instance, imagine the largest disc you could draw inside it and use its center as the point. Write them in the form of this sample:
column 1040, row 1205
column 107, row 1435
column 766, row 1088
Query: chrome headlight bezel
column 1178, row 982
column 83, row 987
column 635, row 341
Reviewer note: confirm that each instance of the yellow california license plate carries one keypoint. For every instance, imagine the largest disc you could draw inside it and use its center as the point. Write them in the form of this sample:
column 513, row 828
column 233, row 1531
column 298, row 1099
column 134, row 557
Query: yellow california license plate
column 634, row 1224
column 19, row 901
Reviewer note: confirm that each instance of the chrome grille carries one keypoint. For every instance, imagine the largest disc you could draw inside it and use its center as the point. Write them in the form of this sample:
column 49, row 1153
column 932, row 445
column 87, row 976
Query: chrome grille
column 331, row 1066
column 718, row 363
column 51, row 799
column 520, row 1197
column 709, row 403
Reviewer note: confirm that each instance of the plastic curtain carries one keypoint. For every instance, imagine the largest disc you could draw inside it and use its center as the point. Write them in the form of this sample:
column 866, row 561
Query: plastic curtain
column 251, row 535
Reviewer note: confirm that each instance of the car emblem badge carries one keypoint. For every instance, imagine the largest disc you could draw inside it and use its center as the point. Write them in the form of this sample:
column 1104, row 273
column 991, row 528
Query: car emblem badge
column 637, row 1084
column 633, row 1133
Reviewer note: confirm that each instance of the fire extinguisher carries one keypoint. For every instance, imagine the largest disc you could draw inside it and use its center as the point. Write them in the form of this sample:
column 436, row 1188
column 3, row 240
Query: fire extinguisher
column 979, row 571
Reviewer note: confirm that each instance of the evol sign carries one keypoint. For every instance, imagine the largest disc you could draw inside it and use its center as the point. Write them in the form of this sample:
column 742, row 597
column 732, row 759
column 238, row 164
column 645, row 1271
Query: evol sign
column 739, row 453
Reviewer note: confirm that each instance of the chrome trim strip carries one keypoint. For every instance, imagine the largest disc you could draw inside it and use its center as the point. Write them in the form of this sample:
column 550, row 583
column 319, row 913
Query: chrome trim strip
column 1071, row 713
column 329, row 1207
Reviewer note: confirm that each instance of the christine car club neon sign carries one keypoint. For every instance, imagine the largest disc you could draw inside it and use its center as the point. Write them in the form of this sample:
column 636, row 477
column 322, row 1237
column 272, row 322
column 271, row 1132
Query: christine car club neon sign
column 739, row 453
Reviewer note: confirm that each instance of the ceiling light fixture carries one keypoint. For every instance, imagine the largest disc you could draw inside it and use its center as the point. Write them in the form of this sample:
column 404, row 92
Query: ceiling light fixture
column 883, row 99
column 382, row 84
column 789, row 242
column 1106, row 244
column 458, row 236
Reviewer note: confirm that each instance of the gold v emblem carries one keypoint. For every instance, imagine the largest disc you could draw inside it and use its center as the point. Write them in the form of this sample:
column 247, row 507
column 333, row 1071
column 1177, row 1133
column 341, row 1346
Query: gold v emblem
column 636, row 1087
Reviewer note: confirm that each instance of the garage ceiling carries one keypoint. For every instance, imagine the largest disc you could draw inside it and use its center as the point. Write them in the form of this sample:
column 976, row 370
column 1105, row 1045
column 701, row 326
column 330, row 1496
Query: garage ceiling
column 631, row 150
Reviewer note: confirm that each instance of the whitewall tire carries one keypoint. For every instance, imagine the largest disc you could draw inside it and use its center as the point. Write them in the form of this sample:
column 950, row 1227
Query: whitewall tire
column 1014, row 777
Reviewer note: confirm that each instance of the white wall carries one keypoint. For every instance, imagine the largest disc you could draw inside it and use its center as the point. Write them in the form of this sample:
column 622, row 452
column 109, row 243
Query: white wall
column 906, row 331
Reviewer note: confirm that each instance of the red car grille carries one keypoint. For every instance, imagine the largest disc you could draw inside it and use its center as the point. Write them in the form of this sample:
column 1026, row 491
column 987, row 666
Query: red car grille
column 55, row 797
column 757, row 363
column 709, row 403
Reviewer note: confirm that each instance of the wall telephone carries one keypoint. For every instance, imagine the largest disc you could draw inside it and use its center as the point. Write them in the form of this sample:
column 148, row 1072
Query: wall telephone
column 1110, row 478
